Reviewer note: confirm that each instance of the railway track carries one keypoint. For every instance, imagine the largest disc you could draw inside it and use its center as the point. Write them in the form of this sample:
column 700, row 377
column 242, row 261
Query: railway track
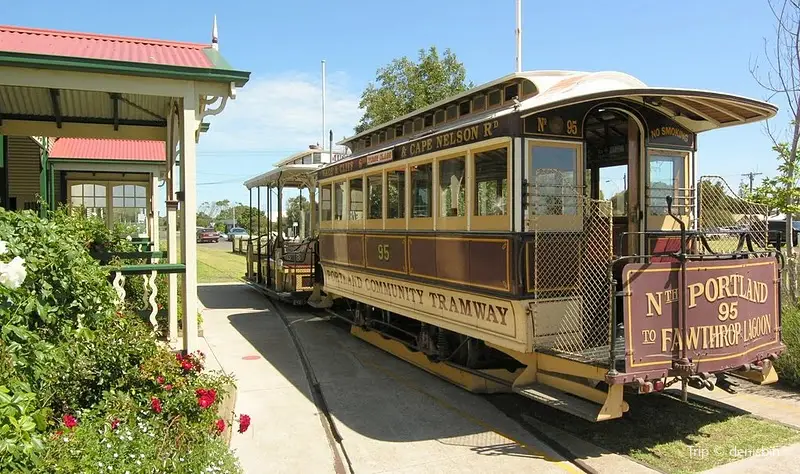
column 342, row 462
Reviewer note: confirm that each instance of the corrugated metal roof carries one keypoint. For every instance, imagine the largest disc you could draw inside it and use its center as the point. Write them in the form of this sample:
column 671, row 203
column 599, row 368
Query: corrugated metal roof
column 117, row 48
column 109, row 150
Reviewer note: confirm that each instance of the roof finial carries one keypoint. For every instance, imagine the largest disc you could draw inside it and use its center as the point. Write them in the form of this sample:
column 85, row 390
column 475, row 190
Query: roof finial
column 215, row 35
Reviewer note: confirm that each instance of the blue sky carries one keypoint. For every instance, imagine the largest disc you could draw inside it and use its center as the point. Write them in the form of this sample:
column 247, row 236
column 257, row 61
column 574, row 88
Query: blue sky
column 705, row 44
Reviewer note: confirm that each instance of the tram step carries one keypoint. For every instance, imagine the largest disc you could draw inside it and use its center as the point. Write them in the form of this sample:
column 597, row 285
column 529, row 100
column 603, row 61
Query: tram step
column 559, row 400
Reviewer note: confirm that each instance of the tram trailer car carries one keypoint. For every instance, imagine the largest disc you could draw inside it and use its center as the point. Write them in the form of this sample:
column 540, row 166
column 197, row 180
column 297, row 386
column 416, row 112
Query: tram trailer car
column 474, row 239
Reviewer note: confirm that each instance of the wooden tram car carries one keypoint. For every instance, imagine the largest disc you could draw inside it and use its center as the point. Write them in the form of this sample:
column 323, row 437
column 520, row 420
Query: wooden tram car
column 473, row 239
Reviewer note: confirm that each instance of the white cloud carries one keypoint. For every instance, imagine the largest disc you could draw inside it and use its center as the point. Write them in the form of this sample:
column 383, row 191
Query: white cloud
column 283, row 113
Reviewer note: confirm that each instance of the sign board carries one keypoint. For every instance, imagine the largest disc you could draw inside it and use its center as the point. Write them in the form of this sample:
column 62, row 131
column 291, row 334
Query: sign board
column 732, row 313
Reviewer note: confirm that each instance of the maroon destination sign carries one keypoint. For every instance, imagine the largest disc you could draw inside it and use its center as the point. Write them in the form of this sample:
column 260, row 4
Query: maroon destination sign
column 731, row 315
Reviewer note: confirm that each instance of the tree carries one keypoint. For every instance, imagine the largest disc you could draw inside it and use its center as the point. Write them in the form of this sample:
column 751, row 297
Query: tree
column 293, row 213
column 405, row 86
column 243, row 217
column 783, row 80
column 213, row 208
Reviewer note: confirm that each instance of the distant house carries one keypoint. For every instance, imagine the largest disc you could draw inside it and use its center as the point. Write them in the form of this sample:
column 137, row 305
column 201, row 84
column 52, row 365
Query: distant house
column 116, row 180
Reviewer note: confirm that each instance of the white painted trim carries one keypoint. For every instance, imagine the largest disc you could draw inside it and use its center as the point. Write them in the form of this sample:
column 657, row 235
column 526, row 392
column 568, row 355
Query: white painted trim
column 104, row 167
column 188, row 125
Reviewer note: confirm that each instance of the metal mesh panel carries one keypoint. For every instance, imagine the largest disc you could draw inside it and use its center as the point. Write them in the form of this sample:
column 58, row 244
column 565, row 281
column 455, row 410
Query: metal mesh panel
column 569, row 257
column 724, row 217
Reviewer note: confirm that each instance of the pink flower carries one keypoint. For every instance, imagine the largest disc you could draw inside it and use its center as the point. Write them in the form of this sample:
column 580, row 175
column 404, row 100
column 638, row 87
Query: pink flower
column 160, row 380
column 155, row 403
column 244, row 423
column 114, row 423
column 70, row 421
column 168, row 387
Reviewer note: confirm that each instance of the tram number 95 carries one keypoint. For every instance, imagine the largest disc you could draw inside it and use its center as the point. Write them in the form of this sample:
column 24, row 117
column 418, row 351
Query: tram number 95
column 383, row 252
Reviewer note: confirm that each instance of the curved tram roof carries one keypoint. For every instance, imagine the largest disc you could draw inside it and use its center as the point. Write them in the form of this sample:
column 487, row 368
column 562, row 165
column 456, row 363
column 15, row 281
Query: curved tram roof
column 696, row 110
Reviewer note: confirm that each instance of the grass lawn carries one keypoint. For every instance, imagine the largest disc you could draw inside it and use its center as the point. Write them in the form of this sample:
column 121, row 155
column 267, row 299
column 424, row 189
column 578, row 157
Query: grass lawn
column 674, row 437
column 216, row 265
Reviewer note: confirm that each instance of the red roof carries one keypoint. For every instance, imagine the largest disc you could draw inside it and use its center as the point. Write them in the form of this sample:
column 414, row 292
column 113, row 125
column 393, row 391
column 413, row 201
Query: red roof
column 117, row 48
column 109, row 150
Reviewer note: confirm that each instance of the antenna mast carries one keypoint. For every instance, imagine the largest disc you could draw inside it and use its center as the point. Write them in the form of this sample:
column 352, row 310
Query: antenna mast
column 323, row 104
column 519, row 35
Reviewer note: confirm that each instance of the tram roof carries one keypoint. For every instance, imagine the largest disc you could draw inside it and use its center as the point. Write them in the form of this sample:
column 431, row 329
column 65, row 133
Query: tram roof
column 290, row 176
column 696, row 110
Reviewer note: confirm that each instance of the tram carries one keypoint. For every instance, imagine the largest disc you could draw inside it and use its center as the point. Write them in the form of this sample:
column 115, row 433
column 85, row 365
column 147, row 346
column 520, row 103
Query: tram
column 477, row 238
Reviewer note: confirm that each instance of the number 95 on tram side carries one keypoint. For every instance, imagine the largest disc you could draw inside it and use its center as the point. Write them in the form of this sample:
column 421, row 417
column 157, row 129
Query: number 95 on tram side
column 546, row 233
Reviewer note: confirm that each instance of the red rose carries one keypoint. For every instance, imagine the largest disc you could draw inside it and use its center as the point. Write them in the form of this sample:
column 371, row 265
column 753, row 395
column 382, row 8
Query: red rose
column 114, row 423
column 160, row 380
column 244, row 423
column 70, row 421
column 186, row 365
column 205, row 398
column 220, row 425
column 155, row 403
column 168, row 387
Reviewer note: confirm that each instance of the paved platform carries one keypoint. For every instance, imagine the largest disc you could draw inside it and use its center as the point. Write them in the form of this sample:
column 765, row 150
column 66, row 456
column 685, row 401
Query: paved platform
column 392, row 417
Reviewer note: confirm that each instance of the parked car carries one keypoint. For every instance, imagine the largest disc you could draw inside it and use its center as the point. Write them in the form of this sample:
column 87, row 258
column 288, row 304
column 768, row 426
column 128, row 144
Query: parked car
column 777, row 229
column 207, row 235
column 236, row 231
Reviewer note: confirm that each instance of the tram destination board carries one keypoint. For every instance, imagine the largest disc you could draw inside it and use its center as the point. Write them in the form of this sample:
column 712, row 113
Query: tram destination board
column 732, row 314
column 464, row 135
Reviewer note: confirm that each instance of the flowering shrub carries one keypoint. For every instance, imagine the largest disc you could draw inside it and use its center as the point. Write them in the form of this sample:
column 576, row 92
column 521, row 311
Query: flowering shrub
column 84, row 385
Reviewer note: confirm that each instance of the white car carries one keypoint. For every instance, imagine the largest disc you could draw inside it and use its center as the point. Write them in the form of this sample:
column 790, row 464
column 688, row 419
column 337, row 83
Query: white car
column 236, row 231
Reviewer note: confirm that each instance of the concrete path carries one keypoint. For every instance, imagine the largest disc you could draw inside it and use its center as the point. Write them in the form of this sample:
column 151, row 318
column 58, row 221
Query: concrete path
column 392, row 417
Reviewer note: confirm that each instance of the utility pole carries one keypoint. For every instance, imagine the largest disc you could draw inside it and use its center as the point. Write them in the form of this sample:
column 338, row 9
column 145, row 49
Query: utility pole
column 751, row 175
column 518, row 34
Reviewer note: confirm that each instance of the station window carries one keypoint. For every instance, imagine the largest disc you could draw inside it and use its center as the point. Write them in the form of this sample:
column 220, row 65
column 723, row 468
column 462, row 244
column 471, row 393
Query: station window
column 494, row 98
column 438, row 117
column 452, row 112
column 421, row 189
column 317, row 158
column 356, row 206
column 375, row 196
column 338, row 200
column 479, row 103
column 664, row 178
column 325, row 203
column 396, row 194
column 554, row 180
column 511, row 92
column 464, row 108
column 452, row 198
column 491, row 182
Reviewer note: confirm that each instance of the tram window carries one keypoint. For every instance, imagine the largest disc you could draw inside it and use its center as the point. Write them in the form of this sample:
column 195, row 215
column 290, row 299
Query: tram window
column 338, row 199
column 494, row 98
column 528, row 88
column 389, row 134
column 396, row 194
column 464, row 108
column 356, row 205
column 398, row 131
column 367, row 142
column 428, row 120
column 382, row 137
column 491, row 182
column 452, row 112
column 438, row 117
column 511, row 92
column 375, row 196
column 418, row 123
column 554, row 180
column 452, row 198
column 613, row 186
column 407, row 128
column 325, row 203
column 421, row 184
column 479, row 103
column 664, row 178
